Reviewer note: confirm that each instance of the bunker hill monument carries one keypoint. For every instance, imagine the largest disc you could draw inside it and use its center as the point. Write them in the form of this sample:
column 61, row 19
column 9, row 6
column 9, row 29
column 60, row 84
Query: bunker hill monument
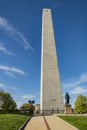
column 51, row 95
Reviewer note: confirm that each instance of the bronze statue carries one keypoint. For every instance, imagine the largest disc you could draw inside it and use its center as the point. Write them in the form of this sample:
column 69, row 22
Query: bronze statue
column 67, row 97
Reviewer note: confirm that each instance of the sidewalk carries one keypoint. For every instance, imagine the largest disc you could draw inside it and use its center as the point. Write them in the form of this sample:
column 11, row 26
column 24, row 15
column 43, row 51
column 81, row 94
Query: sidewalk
column 36, row 123
column 55, row 123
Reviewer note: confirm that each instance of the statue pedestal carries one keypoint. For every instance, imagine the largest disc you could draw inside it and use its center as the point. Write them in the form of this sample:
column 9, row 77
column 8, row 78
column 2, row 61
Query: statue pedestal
column 67, row 109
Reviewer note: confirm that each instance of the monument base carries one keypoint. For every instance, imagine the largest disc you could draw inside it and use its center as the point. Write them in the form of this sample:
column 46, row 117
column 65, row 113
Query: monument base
column 67, row 109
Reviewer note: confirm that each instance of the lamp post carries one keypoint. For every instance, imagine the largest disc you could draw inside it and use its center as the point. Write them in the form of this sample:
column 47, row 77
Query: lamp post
column 31, row 102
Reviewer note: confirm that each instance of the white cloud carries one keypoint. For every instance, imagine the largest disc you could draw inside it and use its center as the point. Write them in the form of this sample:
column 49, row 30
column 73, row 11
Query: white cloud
column 9, row 73
column 76, row 81
column 78, row 90
column 57, row 4
column 11, row 89
column 14, row 88
column 14, row 33
column 4, row 50
column 2, row 85
column 17, row 90
column 28, row 96
column 12, row 69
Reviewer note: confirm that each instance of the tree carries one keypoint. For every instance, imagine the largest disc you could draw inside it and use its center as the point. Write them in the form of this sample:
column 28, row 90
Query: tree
column 80, row 104
column 8, row 102
column 32, row 108
column 28, row 107
column 25, row 107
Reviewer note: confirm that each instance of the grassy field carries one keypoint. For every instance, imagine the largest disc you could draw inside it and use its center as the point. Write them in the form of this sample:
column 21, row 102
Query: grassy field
column 11, row 121
column 77, row 121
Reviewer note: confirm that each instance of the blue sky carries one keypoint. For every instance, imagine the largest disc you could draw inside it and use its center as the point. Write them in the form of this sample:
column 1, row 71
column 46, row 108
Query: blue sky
column 20, row 46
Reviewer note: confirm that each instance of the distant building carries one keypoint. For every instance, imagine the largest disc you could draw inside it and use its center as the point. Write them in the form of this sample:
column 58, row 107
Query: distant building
column 37, row 108
column 1, row 103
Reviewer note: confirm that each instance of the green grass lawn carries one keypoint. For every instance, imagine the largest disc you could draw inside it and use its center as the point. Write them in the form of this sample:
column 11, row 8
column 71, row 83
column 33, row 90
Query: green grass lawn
column 11, row 121
column 77, row 121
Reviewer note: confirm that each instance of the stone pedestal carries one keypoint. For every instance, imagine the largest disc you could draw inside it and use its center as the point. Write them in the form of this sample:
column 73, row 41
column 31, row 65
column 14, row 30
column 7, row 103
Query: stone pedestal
column 67, row 109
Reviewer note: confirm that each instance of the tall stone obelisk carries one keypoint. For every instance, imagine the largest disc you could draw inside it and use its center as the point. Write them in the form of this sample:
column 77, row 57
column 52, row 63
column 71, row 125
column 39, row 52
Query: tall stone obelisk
column 51, row 95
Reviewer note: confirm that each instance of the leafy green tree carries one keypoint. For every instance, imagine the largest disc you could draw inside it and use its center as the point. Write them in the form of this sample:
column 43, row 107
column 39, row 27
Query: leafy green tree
column 80, row 104
column 27, row 107
column 31, row 109
column 8, row 102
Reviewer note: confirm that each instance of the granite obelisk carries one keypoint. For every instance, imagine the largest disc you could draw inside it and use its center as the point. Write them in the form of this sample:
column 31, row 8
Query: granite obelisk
column 51, row 95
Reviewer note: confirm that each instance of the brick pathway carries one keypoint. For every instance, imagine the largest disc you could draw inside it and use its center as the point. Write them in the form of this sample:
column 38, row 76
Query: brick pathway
column 47, row 123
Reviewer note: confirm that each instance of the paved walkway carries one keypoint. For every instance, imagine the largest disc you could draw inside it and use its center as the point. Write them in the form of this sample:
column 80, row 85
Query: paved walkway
column 36, row 123
column 53, row 122
column 56, row 123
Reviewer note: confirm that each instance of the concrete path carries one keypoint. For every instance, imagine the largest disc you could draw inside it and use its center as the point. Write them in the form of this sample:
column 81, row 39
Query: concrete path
column 56, row 123
column 36, row 123
column 48, row 123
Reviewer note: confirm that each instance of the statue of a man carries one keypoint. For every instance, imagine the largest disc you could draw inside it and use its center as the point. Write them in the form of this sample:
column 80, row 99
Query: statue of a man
column 67, row 97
